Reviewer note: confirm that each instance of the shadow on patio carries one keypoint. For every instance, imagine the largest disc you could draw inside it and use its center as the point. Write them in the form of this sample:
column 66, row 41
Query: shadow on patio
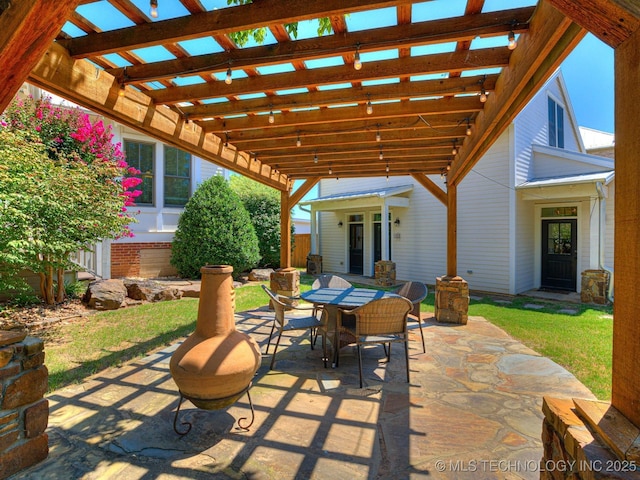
column 472, row 409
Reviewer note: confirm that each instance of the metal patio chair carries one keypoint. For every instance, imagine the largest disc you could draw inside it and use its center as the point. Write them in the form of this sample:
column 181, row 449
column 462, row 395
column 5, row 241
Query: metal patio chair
column 416, row 292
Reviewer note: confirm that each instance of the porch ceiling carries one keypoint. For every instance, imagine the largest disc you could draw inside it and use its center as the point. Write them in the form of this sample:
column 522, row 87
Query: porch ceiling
column 423, row 74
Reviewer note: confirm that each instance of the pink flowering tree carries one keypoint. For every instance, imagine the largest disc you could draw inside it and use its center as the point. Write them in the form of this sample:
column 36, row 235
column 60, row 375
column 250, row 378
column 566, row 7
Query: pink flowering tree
column 64, row 185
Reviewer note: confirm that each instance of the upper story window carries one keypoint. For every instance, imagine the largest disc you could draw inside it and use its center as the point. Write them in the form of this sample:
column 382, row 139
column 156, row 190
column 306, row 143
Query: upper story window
column 556, row 124
column 141, row 156
column 177, row 177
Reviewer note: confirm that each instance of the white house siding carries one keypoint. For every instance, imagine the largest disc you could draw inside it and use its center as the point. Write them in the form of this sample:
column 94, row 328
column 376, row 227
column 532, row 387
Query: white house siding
column 548, row 165
column 532, row 125
column 484, row 236
column 525, row 245
column 332, row 243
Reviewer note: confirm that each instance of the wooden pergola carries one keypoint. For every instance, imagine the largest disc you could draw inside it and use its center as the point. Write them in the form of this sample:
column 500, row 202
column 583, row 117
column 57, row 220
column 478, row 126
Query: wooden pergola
column 422, row 102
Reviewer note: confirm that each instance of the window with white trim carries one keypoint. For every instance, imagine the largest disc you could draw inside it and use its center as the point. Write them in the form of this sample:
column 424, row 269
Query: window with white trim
column 177, row 177
column 141, row 155
column 556, row 124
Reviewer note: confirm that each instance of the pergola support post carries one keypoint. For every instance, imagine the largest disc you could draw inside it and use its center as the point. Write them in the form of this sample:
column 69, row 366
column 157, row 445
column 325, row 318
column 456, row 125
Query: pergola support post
column 452, row 292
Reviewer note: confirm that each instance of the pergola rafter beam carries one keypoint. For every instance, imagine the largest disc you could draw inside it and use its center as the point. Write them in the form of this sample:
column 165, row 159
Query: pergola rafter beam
column 423, row 33
column 216, row 22
column 425, row 65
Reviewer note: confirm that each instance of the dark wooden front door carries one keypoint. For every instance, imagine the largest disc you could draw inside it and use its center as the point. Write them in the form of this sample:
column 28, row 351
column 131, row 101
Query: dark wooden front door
column 377, row 242
column 559, row 254
column 356, row 242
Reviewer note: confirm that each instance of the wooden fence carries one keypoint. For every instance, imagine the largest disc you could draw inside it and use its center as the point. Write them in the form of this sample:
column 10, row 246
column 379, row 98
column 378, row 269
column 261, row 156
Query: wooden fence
column 301, row 249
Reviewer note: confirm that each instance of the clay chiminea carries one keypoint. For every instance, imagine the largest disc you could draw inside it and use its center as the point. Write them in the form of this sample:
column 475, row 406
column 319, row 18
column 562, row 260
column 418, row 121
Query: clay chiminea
column 214, row 366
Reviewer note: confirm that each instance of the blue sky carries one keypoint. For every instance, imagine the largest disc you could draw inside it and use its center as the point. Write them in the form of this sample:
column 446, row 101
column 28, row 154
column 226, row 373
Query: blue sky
column 588, row 73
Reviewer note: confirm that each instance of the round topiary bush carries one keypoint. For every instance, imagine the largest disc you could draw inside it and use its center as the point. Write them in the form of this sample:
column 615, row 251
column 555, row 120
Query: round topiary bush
column 214, row 229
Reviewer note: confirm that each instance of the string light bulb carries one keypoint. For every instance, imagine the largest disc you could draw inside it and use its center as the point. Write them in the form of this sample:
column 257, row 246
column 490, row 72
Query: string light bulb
column 369, row 108
column 483, row 92
column 298, row 141
column 315, row 158
column 512, row 41
column 448, row 166
column 272, row 119
column 121, row 90
column 381, row 156
column 454, row 150
column 228, row 79
column 330, row 170
column 468, row 128
column 378, row 137
column 153, row 8
column 357, row 63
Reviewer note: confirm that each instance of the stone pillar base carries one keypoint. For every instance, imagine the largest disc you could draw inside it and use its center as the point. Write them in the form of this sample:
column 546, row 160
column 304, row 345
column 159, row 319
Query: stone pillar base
column 385, row 273
column 452, row 300
column 24, row 412
column 314, row 264
column 572, row 449
column 595, row 284
column 286, row 281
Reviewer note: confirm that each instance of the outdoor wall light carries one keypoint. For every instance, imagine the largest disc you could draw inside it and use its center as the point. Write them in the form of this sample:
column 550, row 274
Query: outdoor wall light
column 340, row 224
column 397, row 222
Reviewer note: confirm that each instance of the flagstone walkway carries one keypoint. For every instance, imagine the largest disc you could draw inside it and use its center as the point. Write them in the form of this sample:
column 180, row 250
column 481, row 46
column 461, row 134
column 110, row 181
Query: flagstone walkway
column 472, row 410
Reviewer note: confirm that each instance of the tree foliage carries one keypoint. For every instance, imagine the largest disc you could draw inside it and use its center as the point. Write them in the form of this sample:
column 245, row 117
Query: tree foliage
column 263, row 204
column 214, row 229
column 63, row 187
column 259, row 34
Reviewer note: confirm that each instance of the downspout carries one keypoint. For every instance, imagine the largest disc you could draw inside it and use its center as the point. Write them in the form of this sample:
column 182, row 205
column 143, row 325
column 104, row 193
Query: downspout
column 602, row 202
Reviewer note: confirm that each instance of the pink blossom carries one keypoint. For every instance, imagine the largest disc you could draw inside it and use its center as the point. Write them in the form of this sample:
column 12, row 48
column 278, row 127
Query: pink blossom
column 131, row 182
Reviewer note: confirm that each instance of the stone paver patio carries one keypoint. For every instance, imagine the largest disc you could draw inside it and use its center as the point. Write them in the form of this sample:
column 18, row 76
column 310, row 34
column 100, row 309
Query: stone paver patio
column 472, row 410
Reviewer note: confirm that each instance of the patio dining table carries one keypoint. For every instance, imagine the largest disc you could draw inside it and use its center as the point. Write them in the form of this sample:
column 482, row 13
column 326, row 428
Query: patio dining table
column 332, row 299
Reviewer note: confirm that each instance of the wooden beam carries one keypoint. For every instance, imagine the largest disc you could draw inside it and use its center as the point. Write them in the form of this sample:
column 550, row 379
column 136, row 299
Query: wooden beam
column 625, row 395
column 27, row 28
column 302, row 190
column 83, row 83
column 612, row 21
column 364, row 150
column 452, row 229
column 422, row 33
column 539, row 53
column 394, row 91
column 279, row 133
column 423, row 65
column 217, row 22
column 285, row 230
column 346, row 139
column 434, row 189
column 464, row 106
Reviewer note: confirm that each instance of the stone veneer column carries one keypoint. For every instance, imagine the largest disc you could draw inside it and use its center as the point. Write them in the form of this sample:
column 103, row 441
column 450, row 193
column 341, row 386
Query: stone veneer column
column 285, row 281
column 24, row 413
column 587, row 440
column 595, row 284
column 452, row 300
column 314, row 264
column 385, row 273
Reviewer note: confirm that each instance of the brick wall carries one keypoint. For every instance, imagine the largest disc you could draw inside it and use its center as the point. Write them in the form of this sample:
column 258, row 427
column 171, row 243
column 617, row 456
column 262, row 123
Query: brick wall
column 131, row 260
column 24, row 412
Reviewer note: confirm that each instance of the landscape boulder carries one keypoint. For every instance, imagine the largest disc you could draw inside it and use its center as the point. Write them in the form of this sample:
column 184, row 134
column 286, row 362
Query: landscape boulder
column 105, row 294
column 260, row 274
column 150, row 291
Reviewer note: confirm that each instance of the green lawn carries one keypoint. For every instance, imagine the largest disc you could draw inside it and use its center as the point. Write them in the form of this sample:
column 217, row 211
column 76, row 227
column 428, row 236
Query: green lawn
column 581, row 342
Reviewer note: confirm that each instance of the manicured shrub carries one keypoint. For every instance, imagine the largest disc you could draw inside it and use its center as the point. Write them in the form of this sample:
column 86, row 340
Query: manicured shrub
column 214, row 229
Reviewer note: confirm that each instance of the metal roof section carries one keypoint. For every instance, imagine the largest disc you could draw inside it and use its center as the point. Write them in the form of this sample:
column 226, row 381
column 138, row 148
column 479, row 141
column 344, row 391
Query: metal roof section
column 604, row 177
column 378, row 193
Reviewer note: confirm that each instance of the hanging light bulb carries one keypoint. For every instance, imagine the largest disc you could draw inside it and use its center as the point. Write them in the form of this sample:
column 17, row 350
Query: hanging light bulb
column 454, row 151
column 441, row 174
column 121, row 90
column 512, row 41
column 330, row 171
column 298, row 141
column 381, row 156
column 378, row 137
column 483, row 95
column 448, row 166
column 315, row 158
column 272, row 119
column 468, row 128
column 369, row 108
column 357, row 64
column 228, row 79
column 153, row 8
column 387, row 169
